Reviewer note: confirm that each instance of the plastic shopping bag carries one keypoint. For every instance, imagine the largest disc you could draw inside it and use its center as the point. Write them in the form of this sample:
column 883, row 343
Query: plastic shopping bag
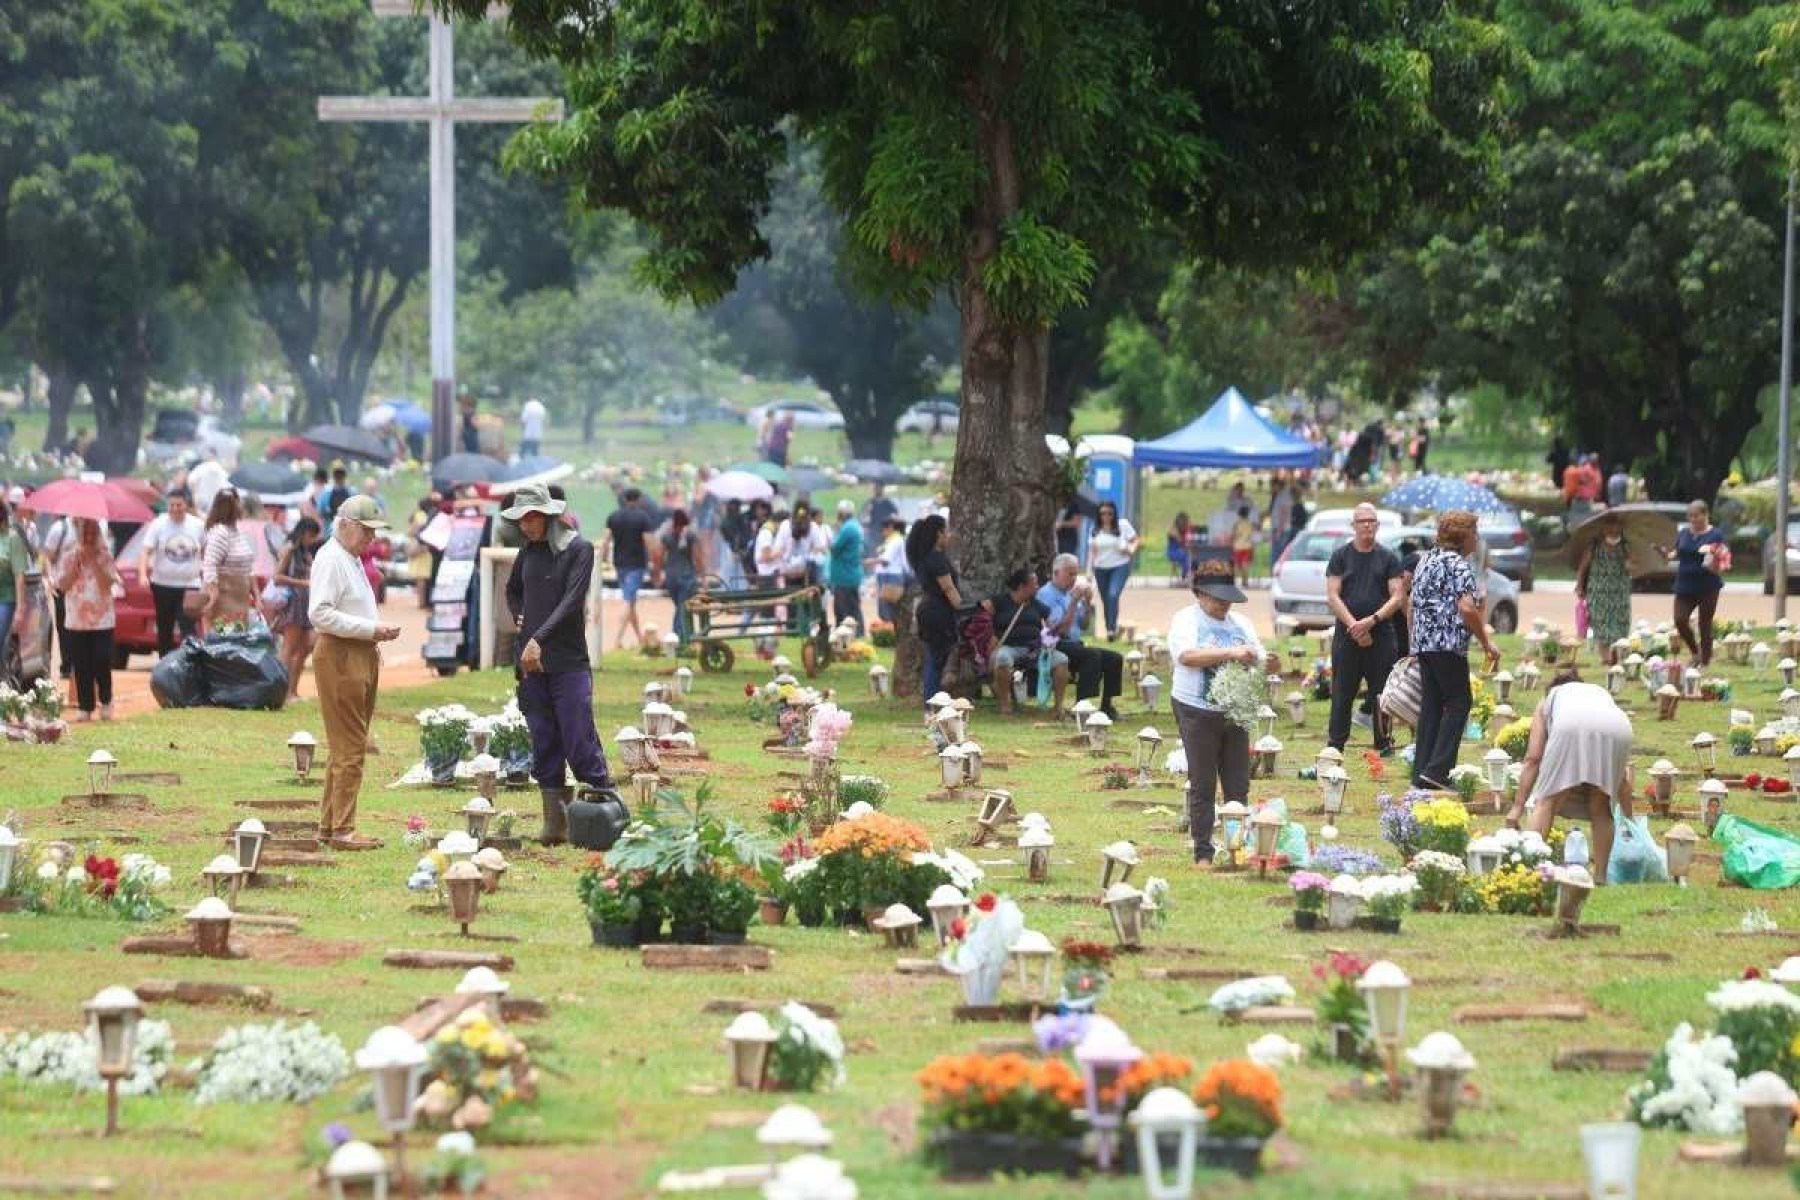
column 1636, row 858
column 1757, row 856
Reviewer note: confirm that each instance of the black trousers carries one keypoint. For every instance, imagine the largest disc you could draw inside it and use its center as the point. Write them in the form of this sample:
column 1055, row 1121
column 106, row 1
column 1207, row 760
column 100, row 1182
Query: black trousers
column 1444, row 703
column 1097, row 672
column 169, row 615
column 847, row 602
column 90, row 652
column 1705, row 604
column 1352, row 666
column 1218, row 752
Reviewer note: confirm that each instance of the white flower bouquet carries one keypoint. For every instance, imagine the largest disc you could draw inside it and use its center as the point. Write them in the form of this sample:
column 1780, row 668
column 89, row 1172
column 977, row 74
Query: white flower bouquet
column 69, row 1059
column 1255, row 992
column 809, row 1051
column 1238, row 692
column 1692, row 1086
column 278, row 1062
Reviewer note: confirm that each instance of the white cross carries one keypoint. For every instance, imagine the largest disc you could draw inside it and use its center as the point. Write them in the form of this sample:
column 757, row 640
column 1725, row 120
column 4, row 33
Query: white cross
column 441, row 111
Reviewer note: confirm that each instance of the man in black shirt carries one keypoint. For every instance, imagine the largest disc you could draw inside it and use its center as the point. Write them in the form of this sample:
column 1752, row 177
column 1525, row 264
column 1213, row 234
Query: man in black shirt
column 1018, row 628
column 628, row 532
column 547, row 592
column 1362, row 586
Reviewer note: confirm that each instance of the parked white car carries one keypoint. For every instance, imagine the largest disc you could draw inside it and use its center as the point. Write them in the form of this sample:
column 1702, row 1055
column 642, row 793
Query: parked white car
column 928, row 416
column 1334, row 519
column 807, row 414
column 1298, row 587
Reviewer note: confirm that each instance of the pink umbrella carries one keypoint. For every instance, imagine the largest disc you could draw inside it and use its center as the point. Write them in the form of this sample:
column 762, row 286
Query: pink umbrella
column 95, row 501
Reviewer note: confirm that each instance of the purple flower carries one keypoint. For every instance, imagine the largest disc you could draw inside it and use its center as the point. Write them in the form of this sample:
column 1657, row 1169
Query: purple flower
column 1059, row 1031
column 336, row 1134
column 1344, row 860
column 1397, row 824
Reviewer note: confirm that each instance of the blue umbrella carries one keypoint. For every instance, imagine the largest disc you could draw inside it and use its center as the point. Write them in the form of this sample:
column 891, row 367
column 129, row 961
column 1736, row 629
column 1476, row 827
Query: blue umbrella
column 1440, row 493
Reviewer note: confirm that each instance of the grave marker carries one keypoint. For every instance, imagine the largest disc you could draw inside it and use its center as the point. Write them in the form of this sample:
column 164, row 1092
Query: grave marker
column 707, row 958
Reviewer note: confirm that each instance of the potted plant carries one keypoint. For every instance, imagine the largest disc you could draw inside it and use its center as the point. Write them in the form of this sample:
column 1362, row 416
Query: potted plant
column 1343, row 1015
column 1387, row 898
column 1309, row 898
column 733, row 904
column 808, row 1053
column 509, row 741
column 984, row 1114
column 869, row 863
column 1085, row 968
column 690, row 902
column 680, row 849
column 1242, row 1103
column 1741, row 737
column 444, row 736
column 613, row 905
column 1440, row 879
column 1138, row 1080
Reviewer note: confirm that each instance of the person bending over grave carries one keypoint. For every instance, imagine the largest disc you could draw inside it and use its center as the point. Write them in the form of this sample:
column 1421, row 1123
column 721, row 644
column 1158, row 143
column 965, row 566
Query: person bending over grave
column 547, row 593
column 1577, row 763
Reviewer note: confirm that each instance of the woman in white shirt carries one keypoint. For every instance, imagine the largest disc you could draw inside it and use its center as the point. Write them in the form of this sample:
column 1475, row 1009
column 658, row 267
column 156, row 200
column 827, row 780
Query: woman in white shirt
column 1203, row 636
column 1110, row 550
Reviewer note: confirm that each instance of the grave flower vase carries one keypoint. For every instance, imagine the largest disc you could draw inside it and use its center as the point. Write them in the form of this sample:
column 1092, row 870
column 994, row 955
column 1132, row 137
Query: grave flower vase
column 1242, row 1156
column 614, row 937
column 975, row 1154
column 1345, row 1045
column 442, row 767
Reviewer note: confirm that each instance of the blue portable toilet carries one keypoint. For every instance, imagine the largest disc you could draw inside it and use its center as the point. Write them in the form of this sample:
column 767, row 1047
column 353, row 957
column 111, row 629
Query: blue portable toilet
column 1111, row 475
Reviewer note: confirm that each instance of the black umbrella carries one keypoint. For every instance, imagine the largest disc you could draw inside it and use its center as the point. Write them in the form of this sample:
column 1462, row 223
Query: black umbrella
column 873, row 470
column 525, row 468
column 347, row 442
column 268, row 479
column 807, row 480
column 454, row 469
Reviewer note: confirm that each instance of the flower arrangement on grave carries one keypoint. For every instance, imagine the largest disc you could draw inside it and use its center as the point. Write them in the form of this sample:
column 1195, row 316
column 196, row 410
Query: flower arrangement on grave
column 1239, row 693
column 808, row 1053
column 699, row 865
column 1388, row 897
column 1715, row 688
column 826, row 728
column 1399, row 827
column 871, row 790
column 1344, row 860
column 34, row 714
column 1741, row 739
column 1317, row 681
column 1256, row 992
column 798, row 884
column 1441, row 878
column 1526, row 848
column 1031, row 1099
column 869, row 863
column 1515, row 737
column 730, row 906
column 1154, row 1070
column 1240, row 1100
column 418, row 833
column 1518, row 889
column 859, row 651
column 277, row 1063
column 1692, row 1085
column 510, row 739
column 44, row 701
column 97, row 886
column 1116, row 777
column 1341, row 1010
column 476, row 1069
column 613, row 899
column 881, row 634
column 980, row 947
column 1773, row 785
column 1087, row 968
column 454, row 1165
column 1309, row 893
column 1156, row 902
column 13, row 706
column 1481, row 702
column 786, row 814
column 66, row 1059
column 1441, row 824
column 1467, row 779
column 444, row 738
column 1762, row 1019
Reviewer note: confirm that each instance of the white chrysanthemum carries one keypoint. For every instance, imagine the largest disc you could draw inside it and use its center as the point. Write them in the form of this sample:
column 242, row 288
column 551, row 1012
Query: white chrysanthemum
column 1741, row 994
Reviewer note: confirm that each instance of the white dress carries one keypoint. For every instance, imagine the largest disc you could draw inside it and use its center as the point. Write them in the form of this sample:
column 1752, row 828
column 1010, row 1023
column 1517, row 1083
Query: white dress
column 1587, row 739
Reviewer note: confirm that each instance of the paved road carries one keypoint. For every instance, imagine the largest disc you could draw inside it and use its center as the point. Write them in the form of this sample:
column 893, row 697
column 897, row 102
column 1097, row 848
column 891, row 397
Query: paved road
column 1150, row 606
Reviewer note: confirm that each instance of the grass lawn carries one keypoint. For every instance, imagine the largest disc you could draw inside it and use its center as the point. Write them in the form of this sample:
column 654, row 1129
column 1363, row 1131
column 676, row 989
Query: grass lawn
column 622, row 1048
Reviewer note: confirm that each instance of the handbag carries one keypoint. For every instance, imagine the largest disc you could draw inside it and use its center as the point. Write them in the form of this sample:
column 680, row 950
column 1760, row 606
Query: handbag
column 1404, row 692
column 597, row 816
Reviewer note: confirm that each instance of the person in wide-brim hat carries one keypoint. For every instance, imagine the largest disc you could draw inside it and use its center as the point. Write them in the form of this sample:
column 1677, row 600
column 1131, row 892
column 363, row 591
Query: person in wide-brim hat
column 1203, row 637
column 547, row 594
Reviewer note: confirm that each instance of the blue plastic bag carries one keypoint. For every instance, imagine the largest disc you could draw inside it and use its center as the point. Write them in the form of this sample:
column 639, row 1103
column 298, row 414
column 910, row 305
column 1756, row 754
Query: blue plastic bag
column 1636, row 858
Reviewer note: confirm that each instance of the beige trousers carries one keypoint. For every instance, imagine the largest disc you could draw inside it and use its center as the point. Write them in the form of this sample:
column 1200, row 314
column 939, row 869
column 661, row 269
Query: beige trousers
column 345, row 672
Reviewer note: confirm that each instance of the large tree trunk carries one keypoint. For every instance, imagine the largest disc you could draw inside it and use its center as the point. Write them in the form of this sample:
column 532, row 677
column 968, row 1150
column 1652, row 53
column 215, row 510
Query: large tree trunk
column 61, row 398
column 119, row 409
column 869, row 428
column 1001, row 509
column 909, row 651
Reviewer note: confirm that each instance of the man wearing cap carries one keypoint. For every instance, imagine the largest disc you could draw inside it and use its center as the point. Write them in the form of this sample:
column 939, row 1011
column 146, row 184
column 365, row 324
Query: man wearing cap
column 845, row 571
column 1203, row 637
column 346, row 665
column 547, row 592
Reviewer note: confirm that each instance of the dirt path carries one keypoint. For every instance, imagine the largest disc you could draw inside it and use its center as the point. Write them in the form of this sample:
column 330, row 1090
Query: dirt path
column 1151, row 607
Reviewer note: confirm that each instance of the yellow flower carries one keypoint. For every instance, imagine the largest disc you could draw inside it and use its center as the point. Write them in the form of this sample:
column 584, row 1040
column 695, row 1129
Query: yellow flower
column 473, row 1039
column 447, row 1035
column 1794, row 1046
column 487, row 1080
column 440, row 861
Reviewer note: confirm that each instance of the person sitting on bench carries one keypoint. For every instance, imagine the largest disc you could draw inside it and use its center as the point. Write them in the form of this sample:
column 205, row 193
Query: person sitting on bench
column 1019, row 625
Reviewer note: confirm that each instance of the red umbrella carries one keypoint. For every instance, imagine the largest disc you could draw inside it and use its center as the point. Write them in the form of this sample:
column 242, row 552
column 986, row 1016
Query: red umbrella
column 291, row 448
column 95, row 501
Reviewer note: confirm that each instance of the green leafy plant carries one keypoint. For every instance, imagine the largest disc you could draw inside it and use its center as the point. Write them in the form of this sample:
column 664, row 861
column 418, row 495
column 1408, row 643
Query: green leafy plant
column 731, row 905
column 683, row 839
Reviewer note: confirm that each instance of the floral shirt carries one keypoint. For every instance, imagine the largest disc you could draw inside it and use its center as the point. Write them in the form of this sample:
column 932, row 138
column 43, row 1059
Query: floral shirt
column 1442, row 579
column 86, row 582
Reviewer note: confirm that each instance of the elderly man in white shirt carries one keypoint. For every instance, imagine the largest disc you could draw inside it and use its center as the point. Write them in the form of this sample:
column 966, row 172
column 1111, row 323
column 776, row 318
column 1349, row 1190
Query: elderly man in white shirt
column 346, row 665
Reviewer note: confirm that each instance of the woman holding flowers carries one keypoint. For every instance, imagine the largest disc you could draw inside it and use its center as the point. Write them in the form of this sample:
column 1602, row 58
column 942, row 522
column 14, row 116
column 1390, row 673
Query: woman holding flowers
column 1578, row 760
column 1204, row 637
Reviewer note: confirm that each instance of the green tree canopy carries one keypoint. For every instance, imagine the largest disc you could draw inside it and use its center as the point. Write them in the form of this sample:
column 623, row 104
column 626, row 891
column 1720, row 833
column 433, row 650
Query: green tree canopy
column 1002, row 151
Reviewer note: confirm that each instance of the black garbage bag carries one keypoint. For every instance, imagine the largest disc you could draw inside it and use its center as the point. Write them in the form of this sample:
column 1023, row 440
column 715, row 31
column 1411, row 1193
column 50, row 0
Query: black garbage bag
column 243, row 670
column 179, row 679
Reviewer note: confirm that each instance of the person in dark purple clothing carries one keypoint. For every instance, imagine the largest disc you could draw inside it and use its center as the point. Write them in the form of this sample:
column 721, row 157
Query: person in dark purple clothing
column 1700, row 557
column 547, row 592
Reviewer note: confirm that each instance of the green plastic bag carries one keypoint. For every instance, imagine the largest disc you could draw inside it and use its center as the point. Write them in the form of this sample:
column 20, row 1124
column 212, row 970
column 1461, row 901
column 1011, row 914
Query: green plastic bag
column 1756, row 856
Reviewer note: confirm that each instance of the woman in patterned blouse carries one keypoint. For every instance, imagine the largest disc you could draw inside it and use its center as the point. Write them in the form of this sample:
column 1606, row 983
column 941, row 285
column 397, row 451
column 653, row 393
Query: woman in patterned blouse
column 227, row 564
column 86, row 577
column 1445, row 614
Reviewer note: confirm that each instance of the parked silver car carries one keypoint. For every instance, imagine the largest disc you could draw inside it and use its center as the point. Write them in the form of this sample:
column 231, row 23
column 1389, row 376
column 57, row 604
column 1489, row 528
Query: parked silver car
column 1509, row 548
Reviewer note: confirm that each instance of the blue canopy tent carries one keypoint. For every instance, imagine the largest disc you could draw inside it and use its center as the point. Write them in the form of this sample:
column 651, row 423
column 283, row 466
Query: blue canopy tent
column 1229, row 434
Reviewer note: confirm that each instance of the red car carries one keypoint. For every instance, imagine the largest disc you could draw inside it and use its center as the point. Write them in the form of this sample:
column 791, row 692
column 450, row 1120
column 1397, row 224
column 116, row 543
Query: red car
column 134, row 629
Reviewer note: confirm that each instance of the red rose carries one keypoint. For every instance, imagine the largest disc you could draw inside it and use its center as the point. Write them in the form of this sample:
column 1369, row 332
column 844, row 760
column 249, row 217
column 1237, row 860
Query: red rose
column 749, row 689
column 1753, row 780
column 986, row 902
column 1752, row 973
column 959, row 929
